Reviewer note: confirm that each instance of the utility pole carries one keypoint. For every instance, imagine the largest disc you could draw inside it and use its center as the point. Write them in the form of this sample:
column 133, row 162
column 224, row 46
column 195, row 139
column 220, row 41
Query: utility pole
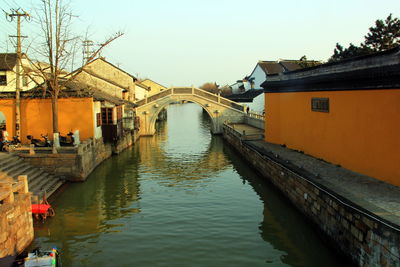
column 18, row 13
column 87, row 51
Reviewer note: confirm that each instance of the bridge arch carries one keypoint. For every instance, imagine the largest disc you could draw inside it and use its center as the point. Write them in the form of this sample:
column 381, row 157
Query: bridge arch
column 218, row 108
column 158, row 109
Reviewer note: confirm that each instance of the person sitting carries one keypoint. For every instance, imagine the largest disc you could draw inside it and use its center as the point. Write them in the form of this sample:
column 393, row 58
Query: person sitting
column 4, row 135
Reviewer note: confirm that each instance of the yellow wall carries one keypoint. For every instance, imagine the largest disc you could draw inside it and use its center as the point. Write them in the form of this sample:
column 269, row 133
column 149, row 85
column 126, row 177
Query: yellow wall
column 36, row 117
column 361, row 132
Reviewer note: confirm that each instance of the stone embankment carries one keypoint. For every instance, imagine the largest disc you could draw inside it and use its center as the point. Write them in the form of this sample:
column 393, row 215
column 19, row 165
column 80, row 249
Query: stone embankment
column 75, row 163
column 359, row 214
column 16, row 227
column 40, row 182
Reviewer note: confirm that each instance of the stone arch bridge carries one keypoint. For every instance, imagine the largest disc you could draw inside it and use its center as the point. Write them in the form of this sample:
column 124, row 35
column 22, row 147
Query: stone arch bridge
column 218, row 108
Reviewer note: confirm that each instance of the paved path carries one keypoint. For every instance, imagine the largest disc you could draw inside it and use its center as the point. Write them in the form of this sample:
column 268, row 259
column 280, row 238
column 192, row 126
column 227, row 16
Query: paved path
column 240, row 127
column 371, row 194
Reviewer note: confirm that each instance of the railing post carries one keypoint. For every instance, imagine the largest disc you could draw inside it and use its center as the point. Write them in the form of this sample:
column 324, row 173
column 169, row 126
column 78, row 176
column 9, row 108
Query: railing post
column 10, row 198
column 219, row 97
column 145, row 99
column 23, row 179
column 192, row 89
column 31, row 149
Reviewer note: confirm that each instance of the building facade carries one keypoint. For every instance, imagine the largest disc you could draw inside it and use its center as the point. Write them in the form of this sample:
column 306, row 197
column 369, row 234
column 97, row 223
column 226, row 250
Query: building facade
column 346, row 113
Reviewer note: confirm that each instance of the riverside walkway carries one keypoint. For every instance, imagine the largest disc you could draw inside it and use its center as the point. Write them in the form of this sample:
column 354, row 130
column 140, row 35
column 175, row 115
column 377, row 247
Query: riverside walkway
column 381, row 199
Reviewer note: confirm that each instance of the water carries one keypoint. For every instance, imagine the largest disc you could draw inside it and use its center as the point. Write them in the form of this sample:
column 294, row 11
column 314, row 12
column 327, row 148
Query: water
column 180, row 198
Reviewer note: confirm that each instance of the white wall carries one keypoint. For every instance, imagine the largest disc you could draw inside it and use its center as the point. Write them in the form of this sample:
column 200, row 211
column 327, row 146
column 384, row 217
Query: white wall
column 258, row 104
column 259, row 77
column 96, row 109
column 11, row 79
column 236, row 90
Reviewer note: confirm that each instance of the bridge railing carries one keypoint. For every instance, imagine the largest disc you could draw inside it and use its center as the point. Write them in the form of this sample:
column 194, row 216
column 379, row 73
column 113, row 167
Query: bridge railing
column 159, row 95
column 192, row 91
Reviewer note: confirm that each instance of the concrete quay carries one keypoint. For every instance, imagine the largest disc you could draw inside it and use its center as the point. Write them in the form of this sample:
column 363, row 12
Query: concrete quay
column 360, row 215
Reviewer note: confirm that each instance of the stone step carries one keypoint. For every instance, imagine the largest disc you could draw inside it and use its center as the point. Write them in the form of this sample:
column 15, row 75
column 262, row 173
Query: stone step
column 39, row 181
column 44, row 185
column 36, row 178
column 7, row 162
column 11, row 164
column 15, row 165
column 21, row 171
column 51, row 188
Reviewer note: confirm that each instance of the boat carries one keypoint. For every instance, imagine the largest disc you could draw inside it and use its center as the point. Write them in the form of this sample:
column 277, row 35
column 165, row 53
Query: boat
column 39, row 258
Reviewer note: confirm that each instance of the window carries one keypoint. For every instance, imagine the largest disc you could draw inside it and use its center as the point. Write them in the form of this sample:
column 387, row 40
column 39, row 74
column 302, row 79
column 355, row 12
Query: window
column 98, row 119
column 106, row 116
column 3, row 77
column 320, row 104
column 119, row 113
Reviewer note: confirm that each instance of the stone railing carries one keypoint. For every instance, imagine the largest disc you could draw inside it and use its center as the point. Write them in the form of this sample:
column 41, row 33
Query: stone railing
column 256, row 115
column 192, row 91
column 8, row 188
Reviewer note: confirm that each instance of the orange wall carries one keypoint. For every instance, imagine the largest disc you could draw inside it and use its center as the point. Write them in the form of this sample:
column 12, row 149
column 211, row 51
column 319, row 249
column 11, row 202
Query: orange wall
column 7, row 107
column 361, row 132
column 36, row 117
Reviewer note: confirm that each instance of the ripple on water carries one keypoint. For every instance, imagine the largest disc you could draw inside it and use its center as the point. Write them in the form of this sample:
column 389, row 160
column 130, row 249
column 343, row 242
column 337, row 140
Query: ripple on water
column 179, row 198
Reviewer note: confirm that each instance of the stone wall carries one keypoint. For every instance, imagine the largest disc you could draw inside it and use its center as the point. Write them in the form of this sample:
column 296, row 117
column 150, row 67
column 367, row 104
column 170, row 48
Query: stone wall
column 124, row 142
column 74, row 164
column 364, row 238
column 16, row 226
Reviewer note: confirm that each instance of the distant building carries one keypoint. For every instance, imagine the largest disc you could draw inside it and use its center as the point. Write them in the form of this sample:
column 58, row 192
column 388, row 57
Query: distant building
column 8, row 62
column 108, row 78
column 249, row 90
column 141, row 91
column 155, row 88
column 345, row 112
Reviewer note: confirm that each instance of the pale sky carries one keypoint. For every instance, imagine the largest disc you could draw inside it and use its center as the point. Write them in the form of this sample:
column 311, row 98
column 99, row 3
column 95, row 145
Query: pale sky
column 185, row 42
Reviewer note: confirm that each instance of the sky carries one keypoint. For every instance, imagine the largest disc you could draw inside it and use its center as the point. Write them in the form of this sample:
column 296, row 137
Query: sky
column 190, row 42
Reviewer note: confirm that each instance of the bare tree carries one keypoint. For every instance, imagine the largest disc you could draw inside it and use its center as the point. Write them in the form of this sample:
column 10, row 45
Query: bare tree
column 58, row 49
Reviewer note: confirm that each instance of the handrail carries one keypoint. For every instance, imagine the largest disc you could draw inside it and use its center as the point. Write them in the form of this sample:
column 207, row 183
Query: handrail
column 191, row 91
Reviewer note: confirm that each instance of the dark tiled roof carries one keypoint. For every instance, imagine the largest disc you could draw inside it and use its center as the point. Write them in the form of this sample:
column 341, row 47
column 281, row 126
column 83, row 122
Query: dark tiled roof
column 8, row 61
column 290, row 65
column 275, row 67
column 384, row 77
column 247, row 96
column 271, row 67
column 71, row 89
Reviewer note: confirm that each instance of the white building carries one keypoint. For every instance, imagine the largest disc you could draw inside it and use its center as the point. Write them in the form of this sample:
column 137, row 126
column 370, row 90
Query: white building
column 249, row 90
column 8, row 70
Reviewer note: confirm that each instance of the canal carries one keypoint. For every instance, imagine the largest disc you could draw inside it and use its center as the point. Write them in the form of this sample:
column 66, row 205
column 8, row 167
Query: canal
column 179, row 198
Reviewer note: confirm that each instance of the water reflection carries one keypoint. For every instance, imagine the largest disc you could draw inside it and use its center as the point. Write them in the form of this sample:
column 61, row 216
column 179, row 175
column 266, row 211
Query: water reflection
column 283, row 226
column 179, row 198
column 174, row 157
